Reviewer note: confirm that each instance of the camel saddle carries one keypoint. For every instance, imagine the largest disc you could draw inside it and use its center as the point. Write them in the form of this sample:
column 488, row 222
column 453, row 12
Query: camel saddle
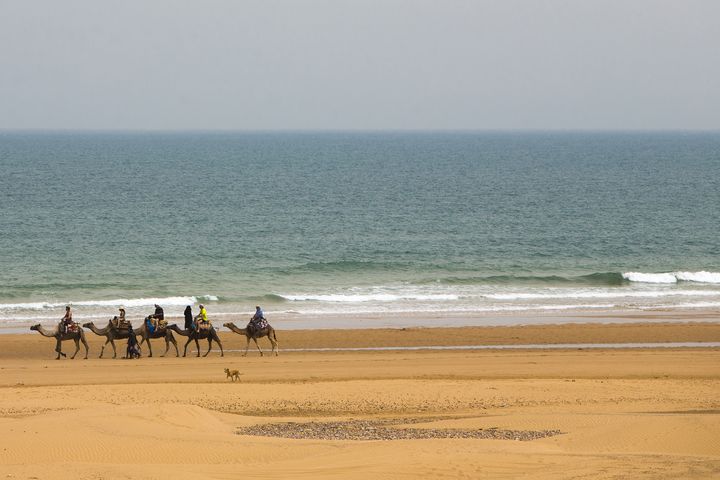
column 161, row 326
column 258, row 324
column 121, row 325
column 204, row 325
column 72, row 327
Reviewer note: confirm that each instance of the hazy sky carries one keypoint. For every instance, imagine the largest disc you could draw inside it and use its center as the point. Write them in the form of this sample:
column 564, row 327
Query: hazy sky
column 258, row 65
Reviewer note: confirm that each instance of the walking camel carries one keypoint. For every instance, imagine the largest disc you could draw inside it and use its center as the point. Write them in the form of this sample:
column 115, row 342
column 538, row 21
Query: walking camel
column 164, row 333
column 110, row 332
column 77, row 336
column 210, row 334
column 265, row 332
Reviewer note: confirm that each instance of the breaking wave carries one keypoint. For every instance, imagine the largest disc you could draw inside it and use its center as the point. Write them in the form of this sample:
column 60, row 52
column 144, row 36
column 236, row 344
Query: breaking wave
column 376, row 297
column 673, row 277
column 118, row 302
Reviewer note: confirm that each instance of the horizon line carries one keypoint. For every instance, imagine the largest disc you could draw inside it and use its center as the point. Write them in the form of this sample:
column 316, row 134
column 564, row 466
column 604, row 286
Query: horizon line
column 351, row 131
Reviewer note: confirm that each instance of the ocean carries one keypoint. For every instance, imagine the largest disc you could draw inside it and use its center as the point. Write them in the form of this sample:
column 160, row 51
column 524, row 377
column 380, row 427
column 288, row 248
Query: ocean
column 321, row 227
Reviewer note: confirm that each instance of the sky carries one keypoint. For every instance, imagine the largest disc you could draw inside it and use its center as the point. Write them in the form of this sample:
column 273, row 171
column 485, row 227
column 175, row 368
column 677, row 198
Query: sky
column 360, row 65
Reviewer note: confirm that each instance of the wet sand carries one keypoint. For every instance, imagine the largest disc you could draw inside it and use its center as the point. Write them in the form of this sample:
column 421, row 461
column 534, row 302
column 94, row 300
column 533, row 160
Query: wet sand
column 568, row 413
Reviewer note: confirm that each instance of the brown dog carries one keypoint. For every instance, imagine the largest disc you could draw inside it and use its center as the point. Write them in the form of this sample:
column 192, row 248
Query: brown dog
column 232, row 374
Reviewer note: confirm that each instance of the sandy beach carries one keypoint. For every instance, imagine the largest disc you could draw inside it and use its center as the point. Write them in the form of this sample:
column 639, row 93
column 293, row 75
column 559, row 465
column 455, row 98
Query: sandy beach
column 564, row 413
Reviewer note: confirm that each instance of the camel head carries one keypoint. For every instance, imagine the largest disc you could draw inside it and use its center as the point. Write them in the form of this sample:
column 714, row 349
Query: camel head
column 35, row 327
column 87, row 325
column 227, row 325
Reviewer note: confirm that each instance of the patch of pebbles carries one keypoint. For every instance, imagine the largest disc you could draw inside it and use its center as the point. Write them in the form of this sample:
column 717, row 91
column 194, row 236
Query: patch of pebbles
column 383, row 430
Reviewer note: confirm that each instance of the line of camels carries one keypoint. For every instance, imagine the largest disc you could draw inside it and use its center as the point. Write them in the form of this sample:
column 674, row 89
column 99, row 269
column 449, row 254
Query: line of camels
column 112, row 333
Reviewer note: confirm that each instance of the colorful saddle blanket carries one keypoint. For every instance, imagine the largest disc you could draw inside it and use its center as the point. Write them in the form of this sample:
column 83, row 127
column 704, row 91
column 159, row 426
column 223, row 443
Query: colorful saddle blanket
column 71, row 328
column 258, row 324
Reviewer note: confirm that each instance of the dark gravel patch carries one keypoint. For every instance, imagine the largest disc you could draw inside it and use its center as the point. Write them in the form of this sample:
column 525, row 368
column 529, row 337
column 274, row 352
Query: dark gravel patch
column 383, row 430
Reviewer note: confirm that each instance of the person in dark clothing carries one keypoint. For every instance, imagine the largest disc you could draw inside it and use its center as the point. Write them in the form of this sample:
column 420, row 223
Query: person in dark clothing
column 133, row 349
column 188, row 318
column 157, row 317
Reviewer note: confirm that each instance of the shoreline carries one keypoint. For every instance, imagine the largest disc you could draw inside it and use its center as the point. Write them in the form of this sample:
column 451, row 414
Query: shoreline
column 573, row 335
column 296, row 322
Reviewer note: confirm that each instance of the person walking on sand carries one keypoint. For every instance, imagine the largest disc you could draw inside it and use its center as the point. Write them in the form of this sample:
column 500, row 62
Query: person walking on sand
column 133, row 350
column 188, row 318
column 66, row 320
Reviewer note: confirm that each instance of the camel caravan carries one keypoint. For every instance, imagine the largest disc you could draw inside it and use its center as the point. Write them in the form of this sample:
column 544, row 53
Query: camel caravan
column 155, row 326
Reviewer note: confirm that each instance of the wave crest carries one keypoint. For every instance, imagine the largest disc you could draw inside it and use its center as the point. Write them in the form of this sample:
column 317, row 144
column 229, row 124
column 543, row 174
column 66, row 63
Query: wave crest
column 118, row 302
column 673, row 277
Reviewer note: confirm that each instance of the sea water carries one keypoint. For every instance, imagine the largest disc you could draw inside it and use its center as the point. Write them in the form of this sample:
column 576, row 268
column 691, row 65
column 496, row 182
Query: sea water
column 317, row 226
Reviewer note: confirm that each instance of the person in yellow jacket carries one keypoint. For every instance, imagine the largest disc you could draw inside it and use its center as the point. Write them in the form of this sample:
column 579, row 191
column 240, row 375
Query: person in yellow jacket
column 201, row 318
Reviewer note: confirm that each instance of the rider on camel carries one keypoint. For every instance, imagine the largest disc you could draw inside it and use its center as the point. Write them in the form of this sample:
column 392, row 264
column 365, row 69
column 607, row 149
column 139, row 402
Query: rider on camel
column 257, row 322
column 66, row 321
column 201, row 319
column 158, row 317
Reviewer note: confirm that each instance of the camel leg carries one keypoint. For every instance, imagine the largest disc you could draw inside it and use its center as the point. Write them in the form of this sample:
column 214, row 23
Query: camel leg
column 274, row 346
column 209, row 347
column 149, row 347
column 186, row 344
column 222, row 354
column 58, row 349
column 258, row 346
column 87, row 349
column 247, row 345
column 177, row 353
column 112, row 342
column 77, row 348
column 167, row 346
column 197, row 347
column 102, row 350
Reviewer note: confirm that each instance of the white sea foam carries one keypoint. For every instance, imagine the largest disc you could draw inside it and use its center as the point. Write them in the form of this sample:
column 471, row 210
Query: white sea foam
column 700, row 277
column 438, row 309
column 687, row 305
column 208, row 298
column 375, row 297
column 673, row 277
column 650, row 277
column 118, row 302
column 618, row 293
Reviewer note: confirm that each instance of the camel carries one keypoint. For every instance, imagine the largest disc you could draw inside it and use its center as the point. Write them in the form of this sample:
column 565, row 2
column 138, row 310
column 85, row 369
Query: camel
column 210, row 334
column 265, row 332
column 111, row 333
column 77, row 337
column 163, row 333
